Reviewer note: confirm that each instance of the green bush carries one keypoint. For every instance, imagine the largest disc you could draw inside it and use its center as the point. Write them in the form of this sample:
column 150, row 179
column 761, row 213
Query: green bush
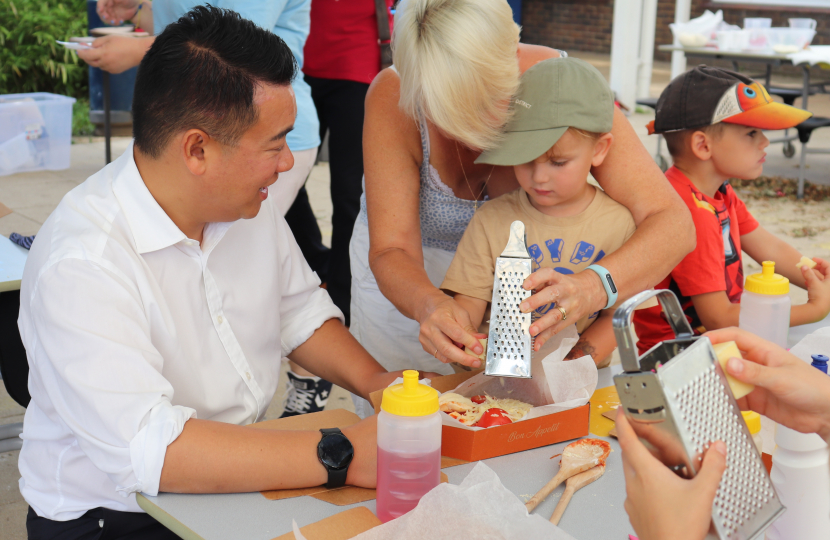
column 80, row 118
column 30, row 60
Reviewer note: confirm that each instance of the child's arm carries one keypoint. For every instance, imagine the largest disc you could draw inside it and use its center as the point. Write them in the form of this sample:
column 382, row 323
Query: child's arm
column 475, row 307
column 762, row 246
column 716, row 311
column 598, row 340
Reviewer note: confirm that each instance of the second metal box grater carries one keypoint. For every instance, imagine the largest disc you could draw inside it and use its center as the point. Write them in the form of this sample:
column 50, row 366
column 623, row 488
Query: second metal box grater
column 509, row 345
column 676, row 398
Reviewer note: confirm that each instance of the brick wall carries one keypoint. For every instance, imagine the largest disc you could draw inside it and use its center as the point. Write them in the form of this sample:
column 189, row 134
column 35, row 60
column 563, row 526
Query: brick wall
column 578, row 25
column 585, row 25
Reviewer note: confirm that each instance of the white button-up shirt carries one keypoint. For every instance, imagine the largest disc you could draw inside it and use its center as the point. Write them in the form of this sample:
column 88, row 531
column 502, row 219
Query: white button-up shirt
column 131, row 328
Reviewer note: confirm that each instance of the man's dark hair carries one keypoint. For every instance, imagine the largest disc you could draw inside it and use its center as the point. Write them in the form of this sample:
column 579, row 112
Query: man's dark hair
column 201, row 72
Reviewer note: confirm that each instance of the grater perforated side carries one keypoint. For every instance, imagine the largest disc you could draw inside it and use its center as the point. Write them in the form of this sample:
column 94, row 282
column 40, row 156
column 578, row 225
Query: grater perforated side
column 704, row 410
column 677, row 401
column 509, row 345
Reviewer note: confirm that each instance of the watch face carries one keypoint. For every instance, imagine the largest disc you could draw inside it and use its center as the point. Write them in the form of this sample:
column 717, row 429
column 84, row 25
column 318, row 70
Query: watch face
column 335, row 451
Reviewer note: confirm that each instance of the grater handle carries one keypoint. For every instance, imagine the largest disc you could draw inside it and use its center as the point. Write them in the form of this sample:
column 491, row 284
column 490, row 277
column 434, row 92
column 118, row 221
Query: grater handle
column 517, row 243
column 622, row 323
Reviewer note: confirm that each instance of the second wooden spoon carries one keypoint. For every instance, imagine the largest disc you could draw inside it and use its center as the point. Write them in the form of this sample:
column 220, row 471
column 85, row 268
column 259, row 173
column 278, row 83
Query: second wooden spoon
column 577, row 457
column 574, row 483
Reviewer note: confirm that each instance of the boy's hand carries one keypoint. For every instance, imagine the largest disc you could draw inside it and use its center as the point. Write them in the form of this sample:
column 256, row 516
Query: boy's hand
column 818, row 287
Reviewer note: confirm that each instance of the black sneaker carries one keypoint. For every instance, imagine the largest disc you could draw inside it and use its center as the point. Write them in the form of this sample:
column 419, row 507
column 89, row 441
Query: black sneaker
column 305, row 395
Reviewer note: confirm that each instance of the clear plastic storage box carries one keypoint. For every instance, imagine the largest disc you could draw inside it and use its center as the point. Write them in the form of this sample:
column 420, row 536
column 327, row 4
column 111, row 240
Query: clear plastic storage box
column 35, row 132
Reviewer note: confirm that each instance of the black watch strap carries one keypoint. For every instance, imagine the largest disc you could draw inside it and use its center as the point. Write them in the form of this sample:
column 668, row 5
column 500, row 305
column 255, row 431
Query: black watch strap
column 337, row 476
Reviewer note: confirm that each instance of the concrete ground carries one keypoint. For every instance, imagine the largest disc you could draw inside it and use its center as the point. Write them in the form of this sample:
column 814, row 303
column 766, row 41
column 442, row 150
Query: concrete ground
column 33, row 196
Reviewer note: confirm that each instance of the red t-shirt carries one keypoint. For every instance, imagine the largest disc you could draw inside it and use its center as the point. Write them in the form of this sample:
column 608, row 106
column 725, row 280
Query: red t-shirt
column 714, row 265
column 343, row 40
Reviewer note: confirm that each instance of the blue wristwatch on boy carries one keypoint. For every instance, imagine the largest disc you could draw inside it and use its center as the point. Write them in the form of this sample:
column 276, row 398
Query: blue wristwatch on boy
column 607, row 283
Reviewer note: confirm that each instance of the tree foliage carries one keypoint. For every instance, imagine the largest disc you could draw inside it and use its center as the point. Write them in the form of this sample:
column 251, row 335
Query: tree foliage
column 30, row 60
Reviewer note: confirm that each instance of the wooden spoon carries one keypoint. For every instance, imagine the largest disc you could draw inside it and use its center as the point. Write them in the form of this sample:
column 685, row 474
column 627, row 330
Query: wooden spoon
column 578, row 481
column 577, row 457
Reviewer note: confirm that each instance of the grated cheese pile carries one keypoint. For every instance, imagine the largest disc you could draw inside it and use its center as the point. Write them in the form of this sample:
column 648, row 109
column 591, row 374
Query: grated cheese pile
column 468, row 413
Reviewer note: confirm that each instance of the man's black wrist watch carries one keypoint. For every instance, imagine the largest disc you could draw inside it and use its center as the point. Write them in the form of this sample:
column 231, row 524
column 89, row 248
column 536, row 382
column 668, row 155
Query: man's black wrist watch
column 335, row 452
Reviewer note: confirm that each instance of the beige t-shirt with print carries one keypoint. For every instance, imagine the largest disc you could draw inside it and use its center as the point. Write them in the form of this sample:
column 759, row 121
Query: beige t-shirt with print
column 569, row 244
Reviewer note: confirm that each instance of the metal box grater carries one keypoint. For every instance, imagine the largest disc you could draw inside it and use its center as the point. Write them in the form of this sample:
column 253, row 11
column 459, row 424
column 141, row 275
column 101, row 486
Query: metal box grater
column 509, row 345
column 676, row 399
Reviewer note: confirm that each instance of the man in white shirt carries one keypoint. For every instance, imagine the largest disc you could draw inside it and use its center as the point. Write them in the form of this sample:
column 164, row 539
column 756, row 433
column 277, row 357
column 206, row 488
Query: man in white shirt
column 161, row 294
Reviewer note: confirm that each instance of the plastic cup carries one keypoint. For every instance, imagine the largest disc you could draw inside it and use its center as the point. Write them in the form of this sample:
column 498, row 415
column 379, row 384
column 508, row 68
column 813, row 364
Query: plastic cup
column 803, row 23
column 757, row 22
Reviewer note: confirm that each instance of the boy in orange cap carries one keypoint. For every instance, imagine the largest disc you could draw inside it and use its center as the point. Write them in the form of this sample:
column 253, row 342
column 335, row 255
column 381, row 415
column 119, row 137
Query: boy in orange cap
column 712, row 119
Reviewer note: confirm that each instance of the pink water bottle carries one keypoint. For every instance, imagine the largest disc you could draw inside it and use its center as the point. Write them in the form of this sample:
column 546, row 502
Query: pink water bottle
column 409, row 446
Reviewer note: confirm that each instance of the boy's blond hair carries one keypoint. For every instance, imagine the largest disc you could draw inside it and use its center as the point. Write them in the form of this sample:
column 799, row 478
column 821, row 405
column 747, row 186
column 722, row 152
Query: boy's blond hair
column 457, row 61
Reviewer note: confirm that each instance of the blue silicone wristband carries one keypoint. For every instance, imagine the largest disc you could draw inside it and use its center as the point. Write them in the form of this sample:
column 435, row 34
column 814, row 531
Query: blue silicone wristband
column 607, row 283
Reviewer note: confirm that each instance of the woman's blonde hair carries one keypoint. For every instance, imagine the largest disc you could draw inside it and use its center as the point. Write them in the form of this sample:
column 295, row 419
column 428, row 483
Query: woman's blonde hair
column 457, row 63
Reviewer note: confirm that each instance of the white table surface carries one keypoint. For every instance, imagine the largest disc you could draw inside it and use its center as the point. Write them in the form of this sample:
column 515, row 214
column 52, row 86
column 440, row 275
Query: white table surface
column 595, row 513
column 12, row 260
column 741, row 55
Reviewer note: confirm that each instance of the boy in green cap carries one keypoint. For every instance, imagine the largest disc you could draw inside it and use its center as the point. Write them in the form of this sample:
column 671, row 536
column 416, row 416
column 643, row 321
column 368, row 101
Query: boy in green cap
column 563, row 115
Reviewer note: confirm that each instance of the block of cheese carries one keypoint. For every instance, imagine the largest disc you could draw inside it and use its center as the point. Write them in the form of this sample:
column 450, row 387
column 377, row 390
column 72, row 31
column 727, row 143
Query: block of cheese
column 725, row 351
column 483, row 355
column 806, row 261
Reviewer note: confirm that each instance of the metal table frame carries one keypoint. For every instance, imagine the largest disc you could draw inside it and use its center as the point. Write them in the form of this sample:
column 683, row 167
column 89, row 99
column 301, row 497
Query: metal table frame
column 770, row 60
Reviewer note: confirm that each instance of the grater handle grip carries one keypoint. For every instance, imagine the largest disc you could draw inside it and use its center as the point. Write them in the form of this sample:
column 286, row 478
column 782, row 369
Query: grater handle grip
column 517, row 243
column 622, row 323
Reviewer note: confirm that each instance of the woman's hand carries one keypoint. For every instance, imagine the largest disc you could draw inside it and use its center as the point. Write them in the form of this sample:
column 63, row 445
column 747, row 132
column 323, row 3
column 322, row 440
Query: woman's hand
column 578, row 295
column 116, row 54
column 787, row 389
column 659, row 503
column 115, row 12
column 446, row 329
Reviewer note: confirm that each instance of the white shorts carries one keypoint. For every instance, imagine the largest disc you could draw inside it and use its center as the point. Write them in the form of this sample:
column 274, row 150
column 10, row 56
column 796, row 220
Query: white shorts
column 389, row 336
column 289, row 183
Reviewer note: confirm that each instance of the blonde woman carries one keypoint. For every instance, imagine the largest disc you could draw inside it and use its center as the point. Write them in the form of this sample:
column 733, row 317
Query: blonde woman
column 457, row 66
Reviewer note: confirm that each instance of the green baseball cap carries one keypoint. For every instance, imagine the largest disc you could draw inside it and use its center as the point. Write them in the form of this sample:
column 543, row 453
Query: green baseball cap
column 554, row 95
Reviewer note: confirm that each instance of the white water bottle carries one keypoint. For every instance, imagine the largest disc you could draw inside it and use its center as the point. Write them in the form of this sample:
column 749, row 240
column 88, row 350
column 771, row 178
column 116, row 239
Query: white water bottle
column 801, row 477
column 409, row 446
column 765, row 305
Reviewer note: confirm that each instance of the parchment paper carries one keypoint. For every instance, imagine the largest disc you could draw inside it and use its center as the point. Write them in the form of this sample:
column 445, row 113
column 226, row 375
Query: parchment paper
column 481, row 507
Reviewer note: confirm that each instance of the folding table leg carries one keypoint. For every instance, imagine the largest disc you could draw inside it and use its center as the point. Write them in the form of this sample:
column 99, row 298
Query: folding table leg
column 107, row 123
column 801, row 170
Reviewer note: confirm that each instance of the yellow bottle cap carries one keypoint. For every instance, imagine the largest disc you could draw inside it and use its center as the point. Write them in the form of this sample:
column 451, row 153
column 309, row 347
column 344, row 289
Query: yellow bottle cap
column 410, row 398
column 767, row 282
column 753, row 421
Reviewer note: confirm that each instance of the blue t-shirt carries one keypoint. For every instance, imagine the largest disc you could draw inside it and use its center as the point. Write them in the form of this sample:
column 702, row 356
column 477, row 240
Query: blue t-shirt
column 290, row 20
